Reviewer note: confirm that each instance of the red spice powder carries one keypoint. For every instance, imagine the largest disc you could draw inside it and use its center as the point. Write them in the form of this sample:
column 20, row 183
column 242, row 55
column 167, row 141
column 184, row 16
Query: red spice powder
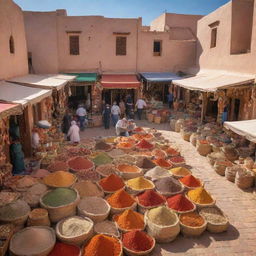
column 137, row 241
column 162, row 163
column 112, row 183
column 172, row 152
column 150, row 198
column 80, row 163
column 138, row 129
column 144, row 144
column 179, row 203
column 190, row 181
column 203, row 141
column 177, row 159
column 61, row 249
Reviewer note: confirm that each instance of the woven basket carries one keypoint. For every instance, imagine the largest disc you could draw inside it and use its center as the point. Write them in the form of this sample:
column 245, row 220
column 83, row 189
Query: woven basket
column 130, row 175
column 200, row 206
column 76, row 240
column 203, row 149
column 40, row 221
column 244, row 182
column 102, row 174
column 218, row 228
column 134, row 253
column 58, row 213
column 95, row 217
column 188, row 231
column 42, row 253
column 126, row 230
column 162, row 234
column 220, row 168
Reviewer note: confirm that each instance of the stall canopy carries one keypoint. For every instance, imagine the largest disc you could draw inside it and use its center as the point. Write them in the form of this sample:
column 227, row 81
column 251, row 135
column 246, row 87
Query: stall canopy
column 56, row 81
column 213, row 81
column 244, row 128
column 159, row 76
column 7, row 109
column 120, row 82
column 84, row 77
column 23, row 95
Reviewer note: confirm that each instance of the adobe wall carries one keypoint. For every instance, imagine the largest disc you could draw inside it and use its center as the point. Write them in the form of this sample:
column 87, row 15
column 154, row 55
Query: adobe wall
column 12, row 24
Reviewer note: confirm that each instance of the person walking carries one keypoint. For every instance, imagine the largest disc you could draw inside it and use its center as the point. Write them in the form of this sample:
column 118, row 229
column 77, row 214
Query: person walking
column 73, row 132
column 115, row 112
column 140, row 104
column 170, row 99
column 66, row 122
column 129, row 107
column 122, row 108
column 81, row 114
column 106, row 116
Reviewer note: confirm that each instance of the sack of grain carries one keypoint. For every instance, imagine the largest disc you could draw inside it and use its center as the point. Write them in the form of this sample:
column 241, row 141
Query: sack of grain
column 244, row 179
column 230, row 172
column 221, row 165
column 203, row 147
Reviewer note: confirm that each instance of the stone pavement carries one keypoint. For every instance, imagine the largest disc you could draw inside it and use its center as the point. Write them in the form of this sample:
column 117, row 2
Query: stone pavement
column 238, row 205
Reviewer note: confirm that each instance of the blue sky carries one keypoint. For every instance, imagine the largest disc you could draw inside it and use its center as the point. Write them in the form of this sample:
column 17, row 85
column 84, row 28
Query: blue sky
column 147, row 9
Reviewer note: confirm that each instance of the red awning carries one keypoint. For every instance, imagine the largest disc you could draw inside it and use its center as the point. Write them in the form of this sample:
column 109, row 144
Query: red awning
column 120, row 82
column 7, row 109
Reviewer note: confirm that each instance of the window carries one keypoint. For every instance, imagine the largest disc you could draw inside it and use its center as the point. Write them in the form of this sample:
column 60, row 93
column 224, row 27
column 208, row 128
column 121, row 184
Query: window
column 120, row 45
column 157, row 48
column 74, row 45
column 213, row 37
column 11, row 45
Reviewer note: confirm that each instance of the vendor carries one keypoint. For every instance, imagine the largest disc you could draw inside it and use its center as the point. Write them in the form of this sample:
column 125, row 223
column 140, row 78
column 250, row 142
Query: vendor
column 121, row 127
column 131, row 126
column 17, row 157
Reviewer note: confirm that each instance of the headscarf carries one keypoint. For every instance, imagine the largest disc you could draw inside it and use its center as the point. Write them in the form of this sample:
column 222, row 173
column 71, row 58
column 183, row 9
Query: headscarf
column 73, row 123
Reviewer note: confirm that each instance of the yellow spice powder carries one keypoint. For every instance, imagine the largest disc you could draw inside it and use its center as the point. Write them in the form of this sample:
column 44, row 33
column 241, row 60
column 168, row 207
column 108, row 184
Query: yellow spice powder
column 139, row 183
column 59, row 179
column 200, row 196
column 180, row 171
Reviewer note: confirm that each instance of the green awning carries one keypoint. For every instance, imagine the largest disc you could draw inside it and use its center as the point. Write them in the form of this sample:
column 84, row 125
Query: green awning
column 84, row 77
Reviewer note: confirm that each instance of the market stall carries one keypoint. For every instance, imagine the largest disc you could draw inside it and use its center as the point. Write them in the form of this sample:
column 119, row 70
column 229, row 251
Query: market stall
column 217, row 87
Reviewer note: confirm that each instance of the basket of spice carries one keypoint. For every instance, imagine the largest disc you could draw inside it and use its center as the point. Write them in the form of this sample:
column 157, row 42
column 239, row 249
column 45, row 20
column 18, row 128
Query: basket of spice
column 95, row 208
column 125, row 159
column 217, row 222
column 38, row 217
column 143, row 136
column 125, row 146
column 244, row 178
column 200, row 197
column 103, row 245
column 74, row 230
column 111, row 184
column 106, row 169
column 41, row 241
column 102, row 159
column 145, row 163
column 107, row 227
column 129, row 220
column 16, row 213
column 103, row 146
column 221, row 165
column 6, row 232
column 60, row 203
column 58, row 166
column 64, row 249
column 148, row 200
column 60, row 179
column 159, row 153
column 192, row 224
column 121, row 201
column 180, row 204
column 138, row 185
column 191, row 182
column 177, row 161
column 168, row 186
column 127, row 171
column 80, row 164
column 162, row 224
column 172, row 152
column 138, row 243
column 203, row 147
column 88, row 188
column 230, row 172
column 144, row 145
column 163, row 163
column 157, row 173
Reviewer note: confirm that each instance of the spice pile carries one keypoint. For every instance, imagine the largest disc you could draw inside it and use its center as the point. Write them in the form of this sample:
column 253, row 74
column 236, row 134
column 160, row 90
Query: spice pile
column 121, row 195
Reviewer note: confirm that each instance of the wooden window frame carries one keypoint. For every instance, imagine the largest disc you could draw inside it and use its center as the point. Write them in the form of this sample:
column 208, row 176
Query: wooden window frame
column 214, row 34
column 121, row 50
column 74, row 47
column 157, row 54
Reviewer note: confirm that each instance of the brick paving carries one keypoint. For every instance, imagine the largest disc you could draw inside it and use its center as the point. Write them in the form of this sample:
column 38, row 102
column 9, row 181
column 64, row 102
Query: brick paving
column 239, row 206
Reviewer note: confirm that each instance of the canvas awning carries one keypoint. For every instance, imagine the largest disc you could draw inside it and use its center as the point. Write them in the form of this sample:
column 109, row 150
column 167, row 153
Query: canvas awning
column 214, row 81
column 159, row 76
column 120, row 82
column 84, row 77
column 55, row 81
column 7, row 109
column 23, row 95
column 244, row 128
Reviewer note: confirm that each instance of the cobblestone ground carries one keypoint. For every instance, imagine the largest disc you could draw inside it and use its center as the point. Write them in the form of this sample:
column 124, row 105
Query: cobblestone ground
column 239, row 206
